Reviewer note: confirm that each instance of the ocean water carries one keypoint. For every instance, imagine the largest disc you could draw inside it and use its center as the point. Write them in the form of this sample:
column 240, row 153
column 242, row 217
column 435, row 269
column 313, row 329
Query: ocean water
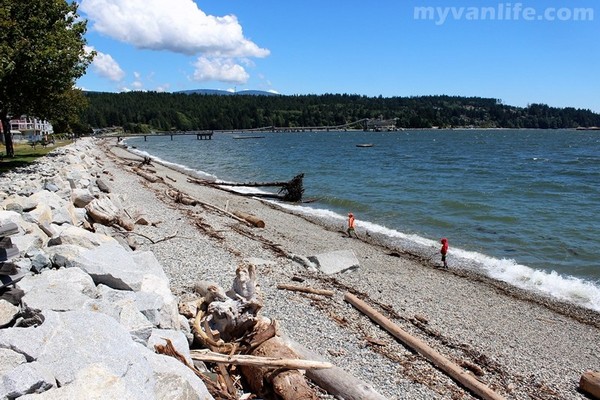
column 521, row 206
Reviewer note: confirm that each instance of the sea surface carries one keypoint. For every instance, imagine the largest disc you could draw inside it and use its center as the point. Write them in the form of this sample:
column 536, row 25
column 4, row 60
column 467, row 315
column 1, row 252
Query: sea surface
column 521, row 206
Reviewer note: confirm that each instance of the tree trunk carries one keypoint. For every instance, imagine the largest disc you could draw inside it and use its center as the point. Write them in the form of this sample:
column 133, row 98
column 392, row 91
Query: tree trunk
column 8, row 142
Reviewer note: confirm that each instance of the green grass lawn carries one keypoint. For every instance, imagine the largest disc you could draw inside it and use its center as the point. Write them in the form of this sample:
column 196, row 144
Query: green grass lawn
column 26, row 154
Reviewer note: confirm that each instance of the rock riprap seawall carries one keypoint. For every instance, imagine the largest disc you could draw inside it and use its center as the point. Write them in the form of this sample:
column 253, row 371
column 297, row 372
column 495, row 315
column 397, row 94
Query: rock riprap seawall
column 80, row 311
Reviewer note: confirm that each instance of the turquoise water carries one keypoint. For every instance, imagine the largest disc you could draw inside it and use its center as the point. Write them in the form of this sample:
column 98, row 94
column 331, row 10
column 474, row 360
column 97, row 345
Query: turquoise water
column 520, row 206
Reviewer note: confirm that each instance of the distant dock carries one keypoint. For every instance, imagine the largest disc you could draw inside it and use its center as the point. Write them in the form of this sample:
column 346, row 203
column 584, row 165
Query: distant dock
column 200, row 135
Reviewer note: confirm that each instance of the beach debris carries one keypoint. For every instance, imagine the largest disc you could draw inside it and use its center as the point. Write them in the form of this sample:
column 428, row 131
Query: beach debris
column 303, row 289
column 590, row 383
column 291, row 190
column 451, row 369
column 335, row 381
column 259, row 223
column 182, row 198
column 237, row 340
column 149, row 177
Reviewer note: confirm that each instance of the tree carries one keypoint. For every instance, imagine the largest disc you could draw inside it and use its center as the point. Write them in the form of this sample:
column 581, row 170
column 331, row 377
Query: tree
column 42, row 54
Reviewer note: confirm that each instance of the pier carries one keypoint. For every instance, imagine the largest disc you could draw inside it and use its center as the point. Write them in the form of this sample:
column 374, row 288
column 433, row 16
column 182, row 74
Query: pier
column 200, row 135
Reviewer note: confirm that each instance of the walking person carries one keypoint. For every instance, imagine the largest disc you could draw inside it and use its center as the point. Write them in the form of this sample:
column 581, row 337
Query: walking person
column 350, row 229
column 444, row 251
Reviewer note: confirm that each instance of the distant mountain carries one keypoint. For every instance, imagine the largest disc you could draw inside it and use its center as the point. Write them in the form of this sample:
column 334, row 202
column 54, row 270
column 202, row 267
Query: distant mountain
column 227, row 93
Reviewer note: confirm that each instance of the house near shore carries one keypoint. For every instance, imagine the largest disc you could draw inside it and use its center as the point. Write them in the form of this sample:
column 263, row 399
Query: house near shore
column 29, row 128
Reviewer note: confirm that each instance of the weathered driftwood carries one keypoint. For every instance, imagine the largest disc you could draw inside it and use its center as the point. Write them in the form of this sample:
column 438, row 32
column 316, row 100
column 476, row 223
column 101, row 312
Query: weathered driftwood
column 179, row 197
column 259, row 223
column 288, row 385
column 291, row 190
column 590, row 383
column 304, row 289
column 447, row 366
column 105, row 212
column 147, row 176
column 269, row 362
column 335, row 381
column 225, row 318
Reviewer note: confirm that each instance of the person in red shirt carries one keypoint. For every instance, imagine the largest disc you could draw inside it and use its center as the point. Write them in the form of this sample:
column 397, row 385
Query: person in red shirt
column 444, row 251
column 350, row 229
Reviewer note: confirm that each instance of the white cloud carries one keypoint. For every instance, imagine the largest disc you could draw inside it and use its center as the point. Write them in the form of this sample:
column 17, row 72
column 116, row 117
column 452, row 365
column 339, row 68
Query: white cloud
column 174, row 25
column 137, row 83
column 219, row 69
column 106, row 66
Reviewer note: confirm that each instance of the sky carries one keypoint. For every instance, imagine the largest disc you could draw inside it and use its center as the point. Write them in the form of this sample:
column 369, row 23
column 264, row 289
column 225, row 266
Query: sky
column 525, row 52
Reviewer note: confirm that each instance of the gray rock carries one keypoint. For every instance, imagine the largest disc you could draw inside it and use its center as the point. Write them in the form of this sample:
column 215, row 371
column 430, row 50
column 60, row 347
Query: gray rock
column 174, row 382
column 93, row 382
column 81, row 197
column 8, row 313
column 58, row 290
column 9, row 360
column 117, row 268
column 26, row 378
column 80, row 237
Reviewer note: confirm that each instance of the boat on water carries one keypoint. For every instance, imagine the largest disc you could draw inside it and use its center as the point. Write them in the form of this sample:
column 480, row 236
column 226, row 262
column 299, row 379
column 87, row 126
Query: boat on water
column 364, row 145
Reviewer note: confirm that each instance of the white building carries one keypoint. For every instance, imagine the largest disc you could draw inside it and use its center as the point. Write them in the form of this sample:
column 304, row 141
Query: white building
column 30, row 128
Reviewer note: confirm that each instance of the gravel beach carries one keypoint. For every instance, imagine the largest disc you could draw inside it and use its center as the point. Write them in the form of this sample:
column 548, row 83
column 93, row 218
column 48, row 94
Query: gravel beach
column 523, row 346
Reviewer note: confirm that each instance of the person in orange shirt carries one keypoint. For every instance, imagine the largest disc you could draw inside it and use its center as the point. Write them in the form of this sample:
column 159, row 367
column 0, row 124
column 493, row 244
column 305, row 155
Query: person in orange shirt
column 350, row 229
column 444, row 251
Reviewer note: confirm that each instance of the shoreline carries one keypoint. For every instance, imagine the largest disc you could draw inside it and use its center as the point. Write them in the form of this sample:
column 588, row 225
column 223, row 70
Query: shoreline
column 469, row 317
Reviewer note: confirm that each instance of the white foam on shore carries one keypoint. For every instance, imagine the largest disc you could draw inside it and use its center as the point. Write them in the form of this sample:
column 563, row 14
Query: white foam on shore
column 565, row 288
column 176, row 167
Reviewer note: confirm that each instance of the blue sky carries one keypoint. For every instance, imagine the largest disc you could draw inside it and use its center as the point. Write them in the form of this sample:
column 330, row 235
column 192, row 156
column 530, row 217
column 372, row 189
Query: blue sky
column 520, row 52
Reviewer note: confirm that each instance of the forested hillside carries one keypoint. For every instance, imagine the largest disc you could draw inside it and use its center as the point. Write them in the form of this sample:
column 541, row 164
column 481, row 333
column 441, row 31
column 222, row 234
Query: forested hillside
column 148, row 111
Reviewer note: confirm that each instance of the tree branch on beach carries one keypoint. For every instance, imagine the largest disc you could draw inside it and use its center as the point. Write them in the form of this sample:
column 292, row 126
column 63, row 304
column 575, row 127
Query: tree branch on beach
column 291, row 190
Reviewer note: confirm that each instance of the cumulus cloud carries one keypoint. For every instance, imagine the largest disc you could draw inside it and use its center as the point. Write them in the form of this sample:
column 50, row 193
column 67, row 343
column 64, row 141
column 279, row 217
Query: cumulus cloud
column 219, row 69
column 105, row 66
column 174, row 25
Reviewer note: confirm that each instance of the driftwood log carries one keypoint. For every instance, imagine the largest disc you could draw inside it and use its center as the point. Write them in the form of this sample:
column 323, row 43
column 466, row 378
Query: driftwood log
column 259, row 223
column 447, row 366
column 227, row 322
column 291, row 190
column 289, row 384
column 335, row 381
column 105, row 212
column 303, row 289
column 269, row 362
column 590, row 383
column 147, row 176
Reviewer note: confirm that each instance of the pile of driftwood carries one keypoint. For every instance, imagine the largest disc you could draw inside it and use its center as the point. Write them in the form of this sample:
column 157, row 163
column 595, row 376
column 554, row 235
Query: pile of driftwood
column 247, row 351
column 291, row 190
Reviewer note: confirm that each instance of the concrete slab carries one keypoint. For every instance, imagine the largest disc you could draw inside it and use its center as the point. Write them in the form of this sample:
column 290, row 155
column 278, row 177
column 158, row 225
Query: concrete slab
column 335, row 261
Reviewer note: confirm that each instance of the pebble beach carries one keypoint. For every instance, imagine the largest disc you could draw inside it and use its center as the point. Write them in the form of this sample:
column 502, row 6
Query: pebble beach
column 519, row 344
